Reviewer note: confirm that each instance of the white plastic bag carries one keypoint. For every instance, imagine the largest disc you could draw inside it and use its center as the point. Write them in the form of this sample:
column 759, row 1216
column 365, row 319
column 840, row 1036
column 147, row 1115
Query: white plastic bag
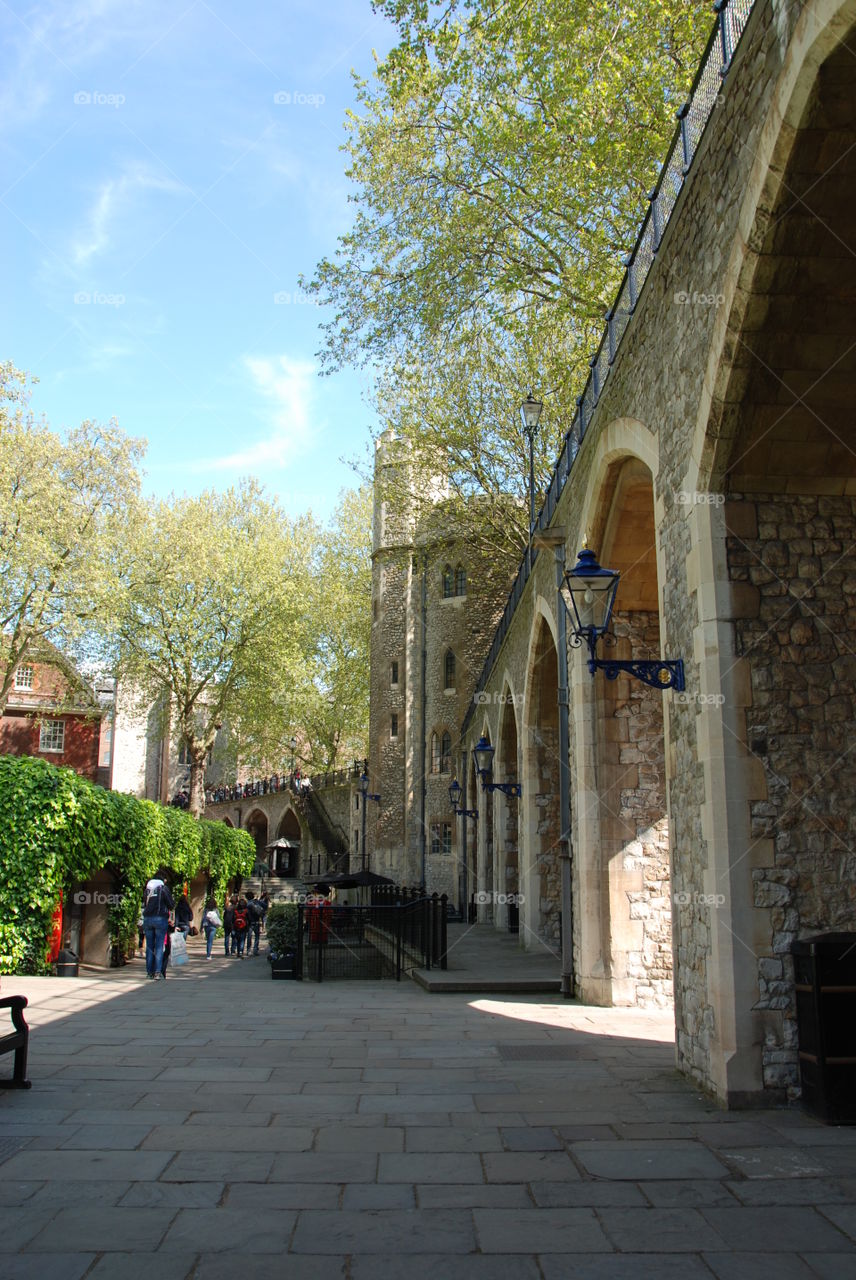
column 178, row 954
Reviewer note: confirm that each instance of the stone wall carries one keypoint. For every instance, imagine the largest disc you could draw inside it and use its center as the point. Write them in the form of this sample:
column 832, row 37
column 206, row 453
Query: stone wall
column 634, row 825
column 799, row 592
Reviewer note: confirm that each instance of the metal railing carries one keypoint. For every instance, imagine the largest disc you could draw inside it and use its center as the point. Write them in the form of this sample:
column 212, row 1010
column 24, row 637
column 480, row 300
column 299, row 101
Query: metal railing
column 274, row 783
column 385, row 939
column 693, row 117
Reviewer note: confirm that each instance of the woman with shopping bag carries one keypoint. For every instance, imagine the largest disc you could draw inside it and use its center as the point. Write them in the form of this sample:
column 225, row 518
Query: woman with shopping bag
column 211, row 922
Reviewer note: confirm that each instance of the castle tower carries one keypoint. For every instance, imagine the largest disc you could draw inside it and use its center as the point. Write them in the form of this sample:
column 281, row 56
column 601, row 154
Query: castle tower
column 432, row 617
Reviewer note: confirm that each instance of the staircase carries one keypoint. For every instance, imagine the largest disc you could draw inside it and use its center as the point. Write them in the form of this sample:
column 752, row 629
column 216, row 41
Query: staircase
column 325, row 830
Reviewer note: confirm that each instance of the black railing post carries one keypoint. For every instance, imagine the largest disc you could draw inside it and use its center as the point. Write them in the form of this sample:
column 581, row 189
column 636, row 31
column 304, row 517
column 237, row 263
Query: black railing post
column 300, row 941
column 630, row 264
column 595, row 377
column 656, row 219
column 610, row 333
column 444, row 936
column 398, row 924
column 721, row 7
column 683, row 119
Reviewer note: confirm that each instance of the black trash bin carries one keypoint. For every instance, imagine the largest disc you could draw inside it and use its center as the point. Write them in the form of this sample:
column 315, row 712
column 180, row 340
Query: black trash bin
column 66, row 965
column 825, row 978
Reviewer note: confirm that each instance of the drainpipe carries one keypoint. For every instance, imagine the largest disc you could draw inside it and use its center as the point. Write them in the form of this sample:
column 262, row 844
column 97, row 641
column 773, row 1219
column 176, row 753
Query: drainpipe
column 555, row 538
column 423, row 793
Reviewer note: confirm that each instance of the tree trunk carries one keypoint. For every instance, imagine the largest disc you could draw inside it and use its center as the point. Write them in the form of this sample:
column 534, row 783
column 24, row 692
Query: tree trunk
column 197, row 784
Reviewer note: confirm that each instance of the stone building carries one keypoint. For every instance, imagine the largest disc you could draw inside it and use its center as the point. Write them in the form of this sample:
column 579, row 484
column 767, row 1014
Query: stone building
column 712, row 464
column 53, row 713
column 434, row 608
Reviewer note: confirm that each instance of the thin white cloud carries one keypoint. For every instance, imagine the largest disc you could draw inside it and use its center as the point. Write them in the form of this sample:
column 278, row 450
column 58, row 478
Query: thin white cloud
column 287, row 386
column 49, row 46
column 115, row 199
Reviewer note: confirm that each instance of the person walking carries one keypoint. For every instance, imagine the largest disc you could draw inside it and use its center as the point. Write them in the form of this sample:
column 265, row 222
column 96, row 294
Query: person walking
column 183, row 914
column 157, row 905
column 255, row 914
column 229, row 939
column 211, row 922
column 167, row 950
column 240, row 925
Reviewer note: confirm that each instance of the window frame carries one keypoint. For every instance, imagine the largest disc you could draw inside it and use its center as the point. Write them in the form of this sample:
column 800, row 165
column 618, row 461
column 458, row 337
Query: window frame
column 48, row 734
column 450, row 669
column 25, row 676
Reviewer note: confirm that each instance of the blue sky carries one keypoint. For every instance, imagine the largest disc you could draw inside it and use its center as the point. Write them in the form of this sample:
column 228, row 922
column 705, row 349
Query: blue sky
column 168, row 170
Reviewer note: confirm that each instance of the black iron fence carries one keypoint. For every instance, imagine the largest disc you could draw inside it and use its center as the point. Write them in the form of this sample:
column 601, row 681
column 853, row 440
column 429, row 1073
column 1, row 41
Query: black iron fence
column 383, row 939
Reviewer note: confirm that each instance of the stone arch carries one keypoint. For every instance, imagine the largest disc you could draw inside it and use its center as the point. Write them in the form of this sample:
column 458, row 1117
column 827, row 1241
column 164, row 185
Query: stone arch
column 507, row 815
column 621, row 868
column 257, row 825
column 539, row 883
column 773, row 519
column 287, row 862
column 823, row 26
column 227, row 822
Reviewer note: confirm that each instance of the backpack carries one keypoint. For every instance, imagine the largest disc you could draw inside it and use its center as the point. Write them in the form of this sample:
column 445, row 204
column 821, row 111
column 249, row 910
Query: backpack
column 255, row 908
column 154, row 900
column 241, row 920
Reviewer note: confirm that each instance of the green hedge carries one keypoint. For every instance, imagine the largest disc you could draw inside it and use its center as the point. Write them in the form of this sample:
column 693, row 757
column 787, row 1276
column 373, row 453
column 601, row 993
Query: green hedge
column 56, row 828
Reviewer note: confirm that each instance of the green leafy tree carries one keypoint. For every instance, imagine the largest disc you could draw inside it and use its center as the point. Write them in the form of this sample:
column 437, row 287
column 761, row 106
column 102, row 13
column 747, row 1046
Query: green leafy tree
column 205, row 623
column 501, row 157
column 320, row 685
column 338, row 635
column 63, row 506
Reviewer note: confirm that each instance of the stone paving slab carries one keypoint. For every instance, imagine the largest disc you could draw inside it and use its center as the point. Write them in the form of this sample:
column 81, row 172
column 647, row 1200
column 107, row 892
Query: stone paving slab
column 240, row 1232
column 633, row 1161
column 102, row 1229
column 656, row 1266
column 431, row 1266
column 368, row 1130
column 775, row 1230
column 416, row 1231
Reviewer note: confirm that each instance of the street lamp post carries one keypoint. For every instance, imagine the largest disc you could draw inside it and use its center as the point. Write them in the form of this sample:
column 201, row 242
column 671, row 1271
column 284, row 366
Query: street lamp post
column 589, row 595
column 292, row 742
column 531, row 411
column 483, row 753
column 366, row 795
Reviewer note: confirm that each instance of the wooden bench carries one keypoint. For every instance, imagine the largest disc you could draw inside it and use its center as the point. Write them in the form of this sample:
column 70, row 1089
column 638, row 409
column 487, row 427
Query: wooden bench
column 16, row 1042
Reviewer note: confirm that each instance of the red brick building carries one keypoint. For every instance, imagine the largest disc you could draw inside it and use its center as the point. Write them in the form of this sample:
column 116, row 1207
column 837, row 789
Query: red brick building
column 52, row 713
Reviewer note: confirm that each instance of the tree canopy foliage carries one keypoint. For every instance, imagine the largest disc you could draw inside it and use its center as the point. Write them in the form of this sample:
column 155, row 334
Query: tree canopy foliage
column 501, row 155
column 206, row 619
column 63, row 502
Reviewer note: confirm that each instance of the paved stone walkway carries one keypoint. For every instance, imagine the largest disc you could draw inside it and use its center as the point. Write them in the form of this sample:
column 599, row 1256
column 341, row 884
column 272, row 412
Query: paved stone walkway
column 481, row 958
column 205, row 1126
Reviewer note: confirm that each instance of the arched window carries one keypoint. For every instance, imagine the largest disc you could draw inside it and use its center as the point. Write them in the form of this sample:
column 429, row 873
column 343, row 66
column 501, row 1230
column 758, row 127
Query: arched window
column 446, row 753
column 448, row 582
column 435, row 753
column 460, row 581
column 449, row 670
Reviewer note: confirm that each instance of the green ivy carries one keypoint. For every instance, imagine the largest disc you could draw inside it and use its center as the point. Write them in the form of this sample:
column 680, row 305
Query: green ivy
column 57, row 829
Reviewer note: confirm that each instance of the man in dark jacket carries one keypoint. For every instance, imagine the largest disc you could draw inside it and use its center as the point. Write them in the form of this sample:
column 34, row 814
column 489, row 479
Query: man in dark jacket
column 183, row 914
column 157, row 904
column 229, row 927
column 256, row 914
